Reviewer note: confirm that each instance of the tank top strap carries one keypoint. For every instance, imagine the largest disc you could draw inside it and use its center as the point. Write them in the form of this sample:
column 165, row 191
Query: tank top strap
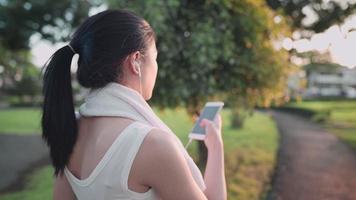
column 133, row 143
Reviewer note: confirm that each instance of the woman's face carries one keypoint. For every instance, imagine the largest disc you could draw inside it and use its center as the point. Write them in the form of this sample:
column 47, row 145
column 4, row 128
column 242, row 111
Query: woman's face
column 149, row 69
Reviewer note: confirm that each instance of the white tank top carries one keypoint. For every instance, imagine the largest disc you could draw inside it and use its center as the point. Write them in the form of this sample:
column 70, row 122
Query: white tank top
column 109, row 179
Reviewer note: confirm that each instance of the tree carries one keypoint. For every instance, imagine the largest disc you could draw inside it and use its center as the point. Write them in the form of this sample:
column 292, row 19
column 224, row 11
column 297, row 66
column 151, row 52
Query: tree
column 220, row 49
column 12, row 64
column 211, row 48
column 322, row 67
column 27, row 87
column 20, row 19
column 327, row 13
column 53, row 20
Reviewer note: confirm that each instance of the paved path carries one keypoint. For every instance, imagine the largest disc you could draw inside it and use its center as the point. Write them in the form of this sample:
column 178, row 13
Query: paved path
column 312, row 163
column 18, row 154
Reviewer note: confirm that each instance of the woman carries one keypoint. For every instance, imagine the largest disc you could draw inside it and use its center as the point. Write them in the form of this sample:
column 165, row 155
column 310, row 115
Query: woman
column 118, row 148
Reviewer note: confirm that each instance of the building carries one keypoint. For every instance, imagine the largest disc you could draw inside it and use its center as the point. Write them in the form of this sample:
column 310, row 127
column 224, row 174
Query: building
column 327, row 80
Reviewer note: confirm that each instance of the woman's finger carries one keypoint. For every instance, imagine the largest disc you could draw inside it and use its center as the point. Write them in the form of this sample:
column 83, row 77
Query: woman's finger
column 207, row 124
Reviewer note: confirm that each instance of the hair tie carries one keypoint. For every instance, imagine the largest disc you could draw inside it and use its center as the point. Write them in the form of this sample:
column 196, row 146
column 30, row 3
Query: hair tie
column 72, row 49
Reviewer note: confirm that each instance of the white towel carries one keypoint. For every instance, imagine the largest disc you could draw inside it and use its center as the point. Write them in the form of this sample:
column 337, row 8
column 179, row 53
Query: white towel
column 121, row 101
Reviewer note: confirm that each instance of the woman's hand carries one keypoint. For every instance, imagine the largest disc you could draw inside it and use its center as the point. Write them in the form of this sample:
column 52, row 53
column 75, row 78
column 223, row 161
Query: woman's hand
column 213, row 137
column 214, row 176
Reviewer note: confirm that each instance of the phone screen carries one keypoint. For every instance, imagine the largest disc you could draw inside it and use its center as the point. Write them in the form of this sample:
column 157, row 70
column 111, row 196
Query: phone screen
column 209, row 113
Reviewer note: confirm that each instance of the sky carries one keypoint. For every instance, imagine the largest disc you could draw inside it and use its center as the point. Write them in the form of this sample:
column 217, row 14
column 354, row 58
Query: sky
column 42, row 50
column 340, row 41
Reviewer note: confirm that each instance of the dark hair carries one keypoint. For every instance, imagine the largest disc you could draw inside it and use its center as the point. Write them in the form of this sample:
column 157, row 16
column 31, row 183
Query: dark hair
column 103, row 41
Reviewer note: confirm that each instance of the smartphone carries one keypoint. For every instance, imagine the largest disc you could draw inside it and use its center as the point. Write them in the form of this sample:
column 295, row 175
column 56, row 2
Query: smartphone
column 211, row 109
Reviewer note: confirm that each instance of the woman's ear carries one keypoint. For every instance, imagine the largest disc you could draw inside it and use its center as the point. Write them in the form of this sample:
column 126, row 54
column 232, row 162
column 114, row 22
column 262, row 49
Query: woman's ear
column 133, row 63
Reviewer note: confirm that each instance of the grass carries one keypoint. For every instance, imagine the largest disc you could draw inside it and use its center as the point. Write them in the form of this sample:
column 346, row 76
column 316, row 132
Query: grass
column 347, row 135
column 39, row 186
column 250, row 156
column 341, row 117
column 340, row 111
column 20, row 121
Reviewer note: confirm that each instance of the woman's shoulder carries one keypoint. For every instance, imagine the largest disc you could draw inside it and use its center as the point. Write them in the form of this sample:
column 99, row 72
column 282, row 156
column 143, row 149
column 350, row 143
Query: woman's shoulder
column 160, row 146
column 158, row 139
column 161, row 164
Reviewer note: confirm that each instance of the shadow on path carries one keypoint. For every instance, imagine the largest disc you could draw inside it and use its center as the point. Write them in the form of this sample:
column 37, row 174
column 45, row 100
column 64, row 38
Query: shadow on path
column 19, row 155
column 312, row 163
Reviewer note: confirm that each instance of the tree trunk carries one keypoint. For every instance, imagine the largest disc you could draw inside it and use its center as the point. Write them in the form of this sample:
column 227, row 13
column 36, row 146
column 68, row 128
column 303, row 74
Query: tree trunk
column 203, row 155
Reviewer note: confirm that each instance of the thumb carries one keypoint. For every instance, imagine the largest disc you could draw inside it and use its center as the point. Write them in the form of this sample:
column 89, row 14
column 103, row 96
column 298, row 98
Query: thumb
column 206, row 123
column 203, row 123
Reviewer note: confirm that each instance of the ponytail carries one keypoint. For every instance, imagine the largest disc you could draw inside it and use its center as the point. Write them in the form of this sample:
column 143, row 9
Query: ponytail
column 103, row 42
column 59, row 125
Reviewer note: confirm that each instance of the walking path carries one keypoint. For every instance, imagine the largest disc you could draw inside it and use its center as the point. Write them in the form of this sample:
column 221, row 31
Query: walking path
column 312, row 163
column 18, row 155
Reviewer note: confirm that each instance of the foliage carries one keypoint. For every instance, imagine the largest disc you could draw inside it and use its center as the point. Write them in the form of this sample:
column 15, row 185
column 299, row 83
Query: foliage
column 215, row 50
column 11, row 62
column 208, row 49
column 327, row 13
column 322, row 67
column 21, row 19
column 53, row 20
column 26, row 86
column 19, row 77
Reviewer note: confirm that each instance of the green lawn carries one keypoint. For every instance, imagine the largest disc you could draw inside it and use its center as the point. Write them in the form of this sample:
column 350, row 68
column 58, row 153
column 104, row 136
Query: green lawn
column 250, row 156
column 39, row 187
column 340, row 111
column 341, row 117
column 20, row 121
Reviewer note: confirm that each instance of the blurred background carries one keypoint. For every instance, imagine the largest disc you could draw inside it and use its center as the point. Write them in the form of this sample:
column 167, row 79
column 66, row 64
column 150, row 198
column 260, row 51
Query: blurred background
column 270, row 61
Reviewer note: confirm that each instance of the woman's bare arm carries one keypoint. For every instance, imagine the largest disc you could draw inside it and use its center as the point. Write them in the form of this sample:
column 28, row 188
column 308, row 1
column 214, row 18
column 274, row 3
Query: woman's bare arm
column 165, row 169
column 62, row 189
